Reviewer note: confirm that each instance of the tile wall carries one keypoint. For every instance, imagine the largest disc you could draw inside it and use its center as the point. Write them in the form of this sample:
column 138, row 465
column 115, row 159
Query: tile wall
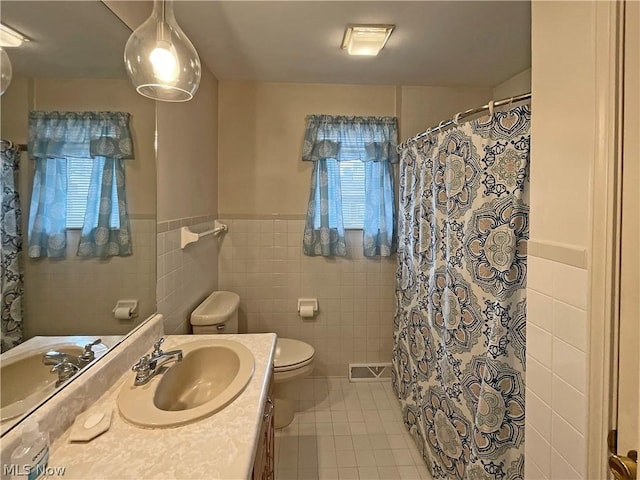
column 262, row 261
column 185, row 276
column 557, row 333
column 60, row 292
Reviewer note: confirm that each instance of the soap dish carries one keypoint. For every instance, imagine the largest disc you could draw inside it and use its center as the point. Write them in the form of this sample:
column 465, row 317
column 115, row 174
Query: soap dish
column 90, row 424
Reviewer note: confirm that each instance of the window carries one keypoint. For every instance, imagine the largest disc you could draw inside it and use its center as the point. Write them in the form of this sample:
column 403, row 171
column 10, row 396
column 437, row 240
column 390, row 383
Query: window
column 352, row 193
column 351, row 183
column 353, row 196
column 352, row 190
column 79, row 171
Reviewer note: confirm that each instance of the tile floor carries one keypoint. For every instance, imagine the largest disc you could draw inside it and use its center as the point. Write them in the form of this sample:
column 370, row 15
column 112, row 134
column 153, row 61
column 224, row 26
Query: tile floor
column 347, row 431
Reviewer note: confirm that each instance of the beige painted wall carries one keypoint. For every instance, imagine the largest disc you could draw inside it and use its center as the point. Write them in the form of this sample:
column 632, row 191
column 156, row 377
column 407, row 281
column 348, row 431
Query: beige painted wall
column 76, row 296
column 425, row 107
column 261, row 131
column 519, row 83
column 563, row 121
column 111, row 95
column 15, row 104
column 262, row 126
column 188, row 154
column 187, row 196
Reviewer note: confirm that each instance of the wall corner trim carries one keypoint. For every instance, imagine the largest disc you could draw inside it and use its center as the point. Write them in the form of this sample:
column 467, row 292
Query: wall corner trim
column 573, row 255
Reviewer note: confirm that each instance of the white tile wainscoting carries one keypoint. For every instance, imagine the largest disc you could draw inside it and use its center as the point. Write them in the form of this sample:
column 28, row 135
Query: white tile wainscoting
column 557, row 333
column 262, row 261
column 185, row 276
column 60, row 293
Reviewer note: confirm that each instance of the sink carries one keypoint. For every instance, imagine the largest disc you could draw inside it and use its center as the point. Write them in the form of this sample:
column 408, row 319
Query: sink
column 210, row 376
column 26, row 381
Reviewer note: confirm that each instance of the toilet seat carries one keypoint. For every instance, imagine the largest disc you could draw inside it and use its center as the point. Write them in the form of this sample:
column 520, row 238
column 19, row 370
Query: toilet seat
column 292, row 354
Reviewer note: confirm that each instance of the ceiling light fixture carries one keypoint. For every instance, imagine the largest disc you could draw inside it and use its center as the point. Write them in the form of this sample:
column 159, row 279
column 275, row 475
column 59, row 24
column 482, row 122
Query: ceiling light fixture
column 10, row 38
column 6, row 72
column 366, row 40
column 160, row 60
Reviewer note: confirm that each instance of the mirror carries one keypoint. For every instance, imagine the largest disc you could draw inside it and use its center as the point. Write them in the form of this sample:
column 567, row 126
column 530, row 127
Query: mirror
column 74, row 63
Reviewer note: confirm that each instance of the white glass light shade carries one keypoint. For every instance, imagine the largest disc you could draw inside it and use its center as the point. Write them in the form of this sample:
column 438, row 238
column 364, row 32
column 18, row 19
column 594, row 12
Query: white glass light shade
column 366, row 40
column 6, row 72
column 160, row 60
column 10, row 37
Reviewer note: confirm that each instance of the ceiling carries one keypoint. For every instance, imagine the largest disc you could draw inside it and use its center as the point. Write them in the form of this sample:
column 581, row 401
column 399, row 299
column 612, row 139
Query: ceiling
column 81, row 39
column 440, row 43
column 435, row 42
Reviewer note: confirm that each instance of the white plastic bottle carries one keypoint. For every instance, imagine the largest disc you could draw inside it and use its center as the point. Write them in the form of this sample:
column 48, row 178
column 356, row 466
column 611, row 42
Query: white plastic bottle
column 29, row 460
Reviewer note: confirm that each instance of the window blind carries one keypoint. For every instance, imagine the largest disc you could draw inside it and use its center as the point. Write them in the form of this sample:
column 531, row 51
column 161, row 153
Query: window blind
column 352, row 192
column 353, row 199
column 79, row 172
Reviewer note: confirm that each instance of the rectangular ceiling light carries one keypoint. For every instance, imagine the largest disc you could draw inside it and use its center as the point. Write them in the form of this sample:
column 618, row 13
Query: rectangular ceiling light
column 366, row 40
column 10, row 38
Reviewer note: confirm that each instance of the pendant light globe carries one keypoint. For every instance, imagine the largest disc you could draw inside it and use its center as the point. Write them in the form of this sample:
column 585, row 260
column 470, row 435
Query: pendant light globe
column 160, row 60
column 6, row 72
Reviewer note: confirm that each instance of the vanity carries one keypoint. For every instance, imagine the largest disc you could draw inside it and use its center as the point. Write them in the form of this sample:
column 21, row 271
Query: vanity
column 235, row 442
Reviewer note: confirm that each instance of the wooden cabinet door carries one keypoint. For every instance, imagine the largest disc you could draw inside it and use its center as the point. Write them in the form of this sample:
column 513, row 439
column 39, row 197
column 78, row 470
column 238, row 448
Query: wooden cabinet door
column 264, row 463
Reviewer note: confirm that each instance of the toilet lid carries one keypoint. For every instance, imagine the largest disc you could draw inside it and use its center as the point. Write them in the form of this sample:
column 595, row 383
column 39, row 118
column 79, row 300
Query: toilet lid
column 292, row 353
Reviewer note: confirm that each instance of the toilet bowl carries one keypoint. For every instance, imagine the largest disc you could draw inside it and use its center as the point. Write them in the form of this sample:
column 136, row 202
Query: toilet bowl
column 293, row 359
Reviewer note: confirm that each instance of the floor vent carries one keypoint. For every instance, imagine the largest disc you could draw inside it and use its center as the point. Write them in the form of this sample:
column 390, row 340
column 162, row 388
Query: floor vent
column 369, row 372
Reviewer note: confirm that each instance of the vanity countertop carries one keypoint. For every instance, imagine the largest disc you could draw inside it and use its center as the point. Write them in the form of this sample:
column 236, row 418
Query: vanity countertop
column 221, row 446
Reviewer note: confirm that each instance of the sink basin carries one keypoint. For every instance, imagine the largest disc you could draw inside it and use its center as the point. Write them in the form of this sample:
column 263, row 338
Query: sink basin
column 210, row 376
column 26, row 381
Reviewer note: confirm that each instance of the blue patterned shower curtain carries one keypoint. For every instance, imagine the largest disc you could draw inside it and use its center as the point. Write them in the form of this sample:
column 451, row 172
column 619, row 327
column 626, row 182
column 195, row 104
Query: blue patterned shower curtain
column 11, row 281
column 459, row 330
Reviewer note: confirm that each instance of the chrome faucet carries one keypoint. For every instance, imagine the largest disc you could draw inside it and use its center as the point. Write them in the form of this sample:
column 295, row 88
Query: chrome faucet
column 65, row 365
column 65, row 371
column 148, row 366
column 53, row 357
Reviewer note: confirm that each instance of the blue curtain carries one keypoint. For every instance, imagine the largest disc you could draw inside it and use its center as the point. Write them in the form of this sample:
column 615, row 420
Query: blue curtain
column 48, row 212
column 101, row 137
column 378, row 235
column 330, row 139
column 11, row 274
column 324, row 231
column 99, row 238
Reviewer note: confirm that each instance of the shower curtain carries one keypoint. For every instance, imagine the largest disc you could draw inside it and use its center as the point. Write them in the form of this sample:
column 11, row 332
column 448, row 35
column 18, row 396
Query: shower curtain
column 11, row 281
column 459, row 329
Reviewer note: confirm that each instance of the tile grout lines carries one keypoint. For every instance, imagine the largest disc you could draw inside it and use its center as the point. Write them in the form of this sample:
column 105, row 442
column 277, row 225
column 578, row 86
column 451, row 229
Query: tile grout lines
column 346, row 431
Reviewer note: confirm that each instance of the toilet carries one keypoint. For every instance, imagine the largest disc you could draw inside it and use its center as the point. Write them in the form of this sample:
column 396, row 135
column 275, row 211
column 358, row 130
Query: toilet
column 293, row 359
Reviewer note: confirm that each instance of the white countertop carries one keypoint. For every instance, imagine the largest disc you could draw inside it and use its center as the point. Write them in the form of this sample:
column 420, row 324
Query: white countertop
column 221, row 446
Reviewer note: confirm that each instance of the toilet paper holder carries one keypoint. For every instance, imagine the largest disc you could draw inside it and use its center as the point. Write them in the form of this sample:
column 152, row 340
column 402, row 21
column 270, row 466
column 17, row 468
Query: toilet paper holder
column 305, row 303
column 126, row 309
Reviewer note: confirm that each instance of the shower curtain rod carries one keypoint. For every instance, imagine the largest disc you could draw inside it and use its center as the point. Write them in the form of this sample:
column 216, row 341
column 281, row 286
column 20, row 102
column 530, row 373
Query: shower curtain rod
column 9, row 144
column 467, row 113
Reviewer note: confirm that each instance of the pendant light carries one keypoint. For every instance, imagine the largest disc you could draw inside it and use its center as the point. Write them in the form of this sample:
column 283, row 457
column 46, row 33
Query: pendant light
column 6, row 72
column 160, row 60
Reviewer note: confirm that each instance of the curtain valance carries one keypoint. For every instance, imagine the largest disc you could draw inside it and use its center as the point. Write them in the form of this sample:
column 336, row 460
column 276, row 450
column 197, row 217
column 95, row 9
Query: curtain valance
column 80, row 135
column 334, row 137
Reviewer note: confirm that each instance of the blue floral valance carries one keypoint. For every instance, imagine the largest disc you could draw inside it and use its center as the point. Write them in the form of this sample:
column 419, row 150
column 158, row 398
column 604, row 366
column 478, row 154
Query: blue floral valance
column 80, row 135
column 333, row 137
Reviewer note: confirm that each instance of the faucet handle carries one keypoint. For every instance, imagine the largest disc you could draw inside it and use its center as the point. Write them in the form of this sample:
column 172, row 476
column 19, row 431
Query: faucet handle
column 65, row 370
column 65, row 367
column 157, row 351
column 88, row 355
column 143, row 370
column 142, row 365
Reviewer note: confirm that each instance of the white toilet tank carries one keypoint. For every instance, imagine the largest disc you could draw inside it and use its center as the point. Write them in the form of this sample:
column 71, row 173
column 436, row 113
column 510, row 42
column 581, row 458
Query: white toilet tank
column 218, row 313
